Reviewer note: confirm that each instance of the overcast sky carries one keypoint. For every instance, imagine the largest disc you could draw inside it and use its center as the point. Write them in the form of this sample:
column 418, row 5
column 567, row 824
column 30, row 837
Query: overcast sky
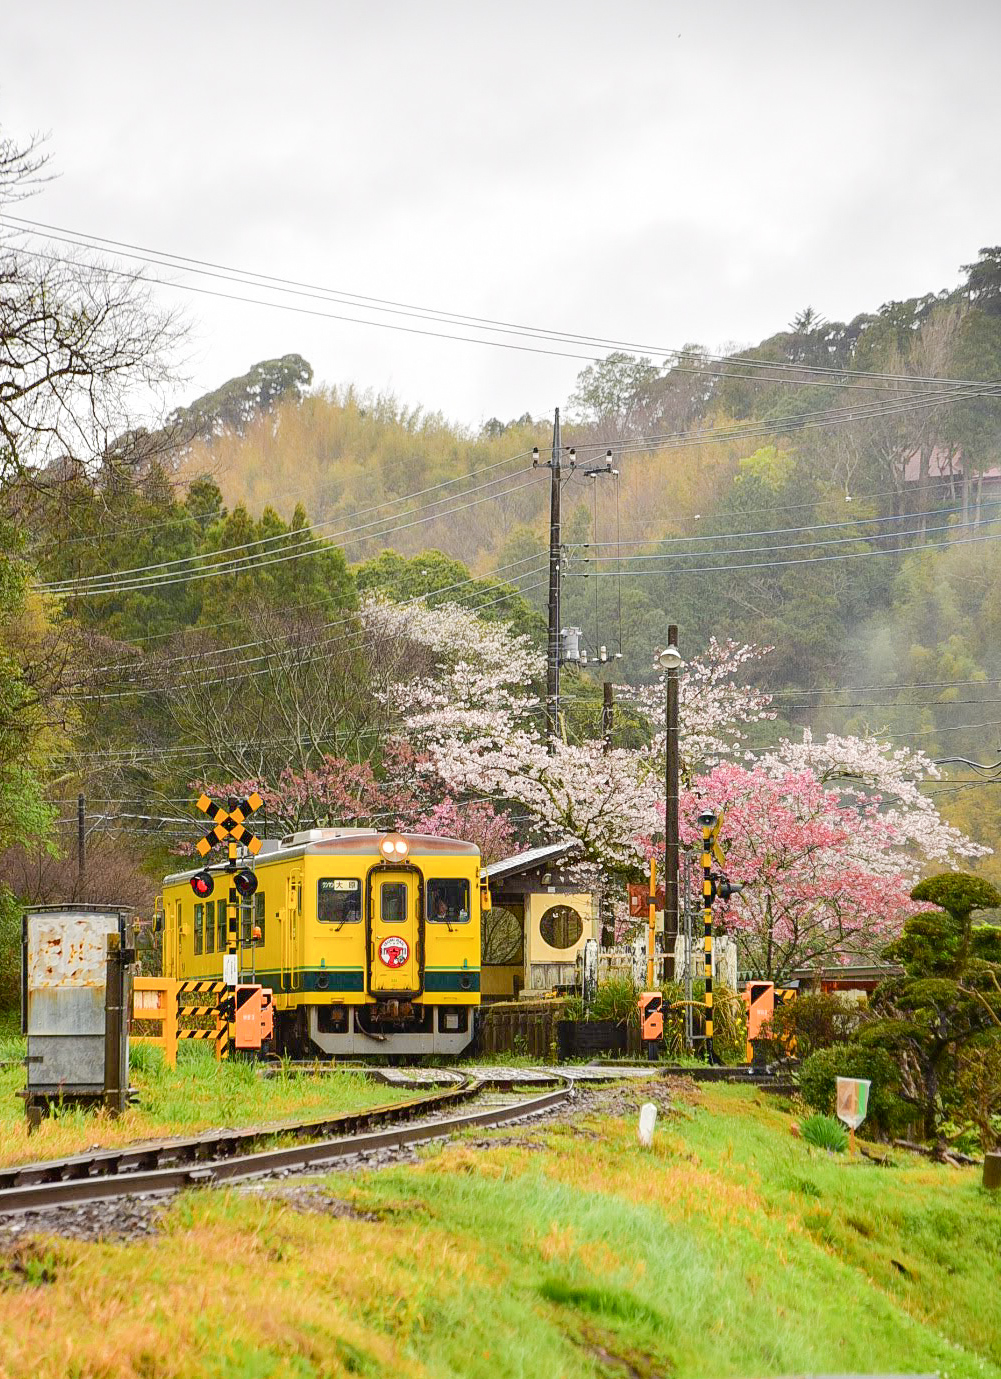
column 652, row 172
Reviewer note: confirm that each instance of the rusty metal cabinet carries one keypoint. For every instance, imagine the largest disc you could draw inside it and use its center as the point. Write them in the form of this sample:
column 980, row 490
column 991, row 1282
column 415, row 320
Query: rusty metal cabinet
column 75, row 1002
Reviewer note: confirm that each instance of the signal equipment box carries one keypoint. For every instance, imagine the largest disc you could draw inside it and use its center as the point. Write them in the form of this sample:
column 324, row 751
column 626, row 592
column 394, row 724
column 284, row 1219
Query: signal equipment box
column 651, row 1004
column 76, row 1001
column 255, row 1018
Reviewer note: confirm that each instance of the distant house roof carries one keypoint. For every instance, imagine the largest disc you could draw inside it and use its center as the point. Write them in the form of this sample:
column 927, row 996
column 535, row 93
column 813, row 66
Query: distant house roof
column 943, row 463
column 528, row 861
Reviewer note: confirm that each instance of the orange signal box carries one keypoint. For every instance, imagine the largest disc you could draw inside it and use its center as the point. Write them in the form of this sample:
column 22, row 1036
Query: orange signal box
column 651, row 1004
column 759, row 999
column 267, row 1014
column 248, row 1016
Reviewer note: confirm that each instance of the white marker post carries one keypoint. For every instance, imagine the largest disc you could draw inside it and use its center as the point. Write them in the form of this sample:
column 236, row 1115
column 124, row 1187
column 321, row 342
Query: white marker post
column 648, row 1119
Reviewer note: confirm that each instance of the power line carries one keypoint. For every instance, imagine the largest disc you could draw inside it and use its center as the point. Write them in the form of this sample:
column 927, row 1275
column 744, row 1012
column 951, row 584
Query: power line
column 239, row 666
column 778, row 547
column 241, row 565
column 882, row 689
column 790, row 531
column 289, row 537
column 677, row 573
column 70, row 588
column 792, row 372
column 345, row 621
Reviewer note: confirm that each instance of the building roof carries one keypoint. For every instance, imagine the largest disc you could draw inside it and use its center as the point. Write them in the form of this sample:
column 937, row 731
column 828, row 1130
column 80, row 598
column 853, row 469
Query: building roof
column 943, row 463
column 528, row 861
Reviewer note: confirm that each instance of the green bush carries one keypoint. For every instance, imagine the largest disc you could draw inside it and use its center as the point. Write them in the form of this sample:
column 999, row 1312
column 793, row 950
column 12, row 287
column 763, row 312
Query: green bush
column 825, row 1132
column 10, row 951
column 615, row 999
column 888, row 1113
column 573, row 1008
column 815, row 1020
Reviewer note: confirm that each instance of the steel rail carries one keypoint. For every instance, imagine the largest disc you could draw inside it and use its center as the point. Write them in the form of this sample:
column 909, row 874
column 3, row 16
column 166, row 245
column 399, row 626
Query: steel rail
column 153, row 1182
column 225, row 1142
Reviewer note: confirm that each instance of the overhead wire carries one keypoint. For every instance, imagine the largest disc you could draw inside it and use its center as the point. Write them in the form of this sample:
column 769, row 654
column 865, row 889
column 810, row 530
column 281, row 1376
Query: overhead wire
column 347, row 620
column 85, row 586
column 801, row 374
column 241, row 566
column 677, row 573
column 239, row 666
column 726, row 535
column 779, row 547
column 288, row 538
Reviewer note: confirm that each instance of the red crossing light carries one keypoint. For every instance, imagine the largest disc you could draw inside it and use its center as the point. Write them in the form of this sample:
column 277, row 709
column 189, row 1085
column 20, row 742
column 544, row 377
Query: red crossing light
column 245, row 882
column 202, row 884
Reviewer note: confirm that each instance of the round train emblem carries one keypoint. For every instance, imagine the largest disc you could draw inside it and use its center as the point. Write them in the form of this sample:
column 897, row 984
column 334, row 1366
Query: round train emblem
column 394, row 951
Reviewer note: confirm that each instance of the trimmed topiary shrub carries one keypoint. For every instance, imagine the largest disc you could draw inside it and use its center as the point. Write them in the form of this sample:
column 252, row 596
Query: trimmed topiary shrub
column 888, row 1113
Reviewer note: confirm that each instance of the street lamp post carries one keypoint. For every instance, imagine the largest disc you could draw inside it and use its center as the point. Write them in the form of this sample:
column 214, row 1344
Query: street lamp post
column 669, row 660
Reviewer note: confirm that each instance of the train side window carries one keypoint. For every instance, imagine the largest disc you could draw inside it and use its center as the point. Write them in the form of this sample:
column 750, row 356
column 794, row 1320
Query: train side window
column 448, row 901
column 259, row 914
column 209, row 934
column 338, row 900
column 199, row 924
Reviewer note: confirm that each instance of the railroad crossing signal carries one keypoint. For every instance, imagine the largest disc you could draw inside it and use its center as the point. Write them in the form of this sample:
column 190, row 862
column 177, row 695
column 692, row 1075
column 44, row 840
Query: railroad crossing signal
column 228, row 824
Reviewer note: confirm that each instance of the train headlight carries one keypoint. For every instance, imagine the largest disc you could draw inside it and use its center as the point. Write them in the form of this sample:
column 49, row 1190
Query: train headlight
column 393, row 847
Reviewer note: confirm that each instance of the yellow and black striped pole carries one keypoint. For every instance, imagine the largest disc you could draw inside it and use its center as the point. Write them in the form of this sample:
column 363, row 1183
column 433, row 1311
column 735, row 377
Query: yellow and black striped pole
column 232, row 914
column 707, row 917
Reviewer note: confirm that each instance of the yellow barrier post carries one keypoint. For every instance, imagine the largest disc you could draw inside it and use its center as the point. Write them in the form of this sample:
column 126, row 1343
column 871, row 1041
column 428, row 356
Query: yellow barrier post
column 154, row 999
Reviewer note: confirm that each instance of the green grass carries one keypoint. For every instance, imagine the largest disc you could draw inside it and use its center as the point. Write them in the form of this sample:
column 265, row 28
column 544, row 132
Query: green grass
column 196, row 1095
column 731, row 1248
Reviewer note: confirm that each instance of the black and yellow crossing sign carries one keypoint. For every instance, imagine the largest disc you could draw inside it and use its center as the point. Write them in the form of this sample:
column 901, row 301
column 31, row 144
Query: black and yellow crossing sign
column 228, row 824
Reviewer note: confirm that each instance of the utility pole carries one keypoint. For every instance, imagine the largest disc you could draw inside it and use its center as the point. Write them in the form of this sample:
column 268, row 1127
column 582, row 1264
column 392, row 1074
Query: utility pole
column 81, row 843
column 553, row 656
column 607, row 714
column 671, row 796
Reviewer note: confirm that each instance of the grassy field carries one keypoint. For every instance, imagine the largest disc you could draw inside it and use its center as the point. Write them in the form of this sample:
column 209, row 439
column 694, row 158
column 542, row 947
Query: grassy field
column 196, row 1095
column 729, row 1249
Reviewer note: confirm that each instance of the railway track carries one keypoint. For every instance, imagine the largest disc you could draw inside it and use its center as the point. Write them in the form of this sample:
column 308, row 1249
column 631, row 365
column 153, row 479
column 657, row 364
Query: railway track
column 222, row 1156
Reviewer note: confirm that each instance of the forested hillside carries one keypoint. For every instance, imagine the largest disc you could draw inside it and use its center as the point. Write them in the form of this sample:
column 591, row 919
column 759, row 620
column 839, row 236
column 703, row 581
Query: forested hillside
column 772, row 496
column 196, row 594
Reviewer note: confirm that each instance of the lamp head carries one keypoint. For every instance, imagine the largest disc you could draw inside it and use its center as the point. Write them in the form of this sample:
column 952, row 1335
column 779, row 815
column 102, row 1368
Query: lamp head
column 707, row 818
column 668, row 659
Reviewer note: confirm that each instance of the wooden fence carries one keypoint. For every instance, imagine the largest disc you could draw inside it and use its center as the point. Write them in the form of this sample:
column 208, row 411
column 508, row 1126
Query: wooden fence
column 521, row 1027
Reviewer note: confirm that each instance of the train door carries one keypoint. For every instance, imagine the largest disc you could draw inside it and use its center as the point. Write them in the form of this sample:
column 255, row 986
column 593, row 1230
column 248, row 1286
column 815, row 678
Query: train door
column 394, row 957
column 179, row 936
column 290, row 972
column 171, row 938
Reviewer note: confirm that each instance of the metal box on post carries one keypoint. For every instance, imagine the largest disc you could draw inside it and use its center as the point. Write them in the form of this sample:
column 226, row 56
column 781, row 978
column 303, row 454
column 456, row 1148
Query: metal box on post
column 76, row 999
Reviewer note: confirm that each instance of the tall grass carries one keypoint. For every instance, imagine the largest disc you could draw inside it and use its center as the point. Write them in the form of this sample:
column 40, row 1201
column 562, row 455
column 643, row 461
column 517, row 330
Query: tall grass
column 196, row 1095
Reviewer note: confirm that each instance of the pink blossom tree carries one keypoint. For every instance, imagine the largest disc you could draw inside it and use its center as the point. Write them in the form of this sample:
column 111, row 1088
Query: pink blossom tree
column 477, row 725
column 827, row 860
column 828, row 837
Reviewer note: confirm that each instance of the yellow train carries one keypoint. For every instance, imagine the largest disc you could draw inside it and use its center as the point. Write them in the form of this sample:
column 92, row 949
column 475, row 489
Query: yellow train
column 370, row 941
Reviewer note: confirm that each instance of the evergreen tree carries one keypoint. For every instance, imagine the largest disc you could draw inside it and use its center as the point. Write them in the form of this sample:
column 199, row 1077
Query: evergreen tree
column 950, row 994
